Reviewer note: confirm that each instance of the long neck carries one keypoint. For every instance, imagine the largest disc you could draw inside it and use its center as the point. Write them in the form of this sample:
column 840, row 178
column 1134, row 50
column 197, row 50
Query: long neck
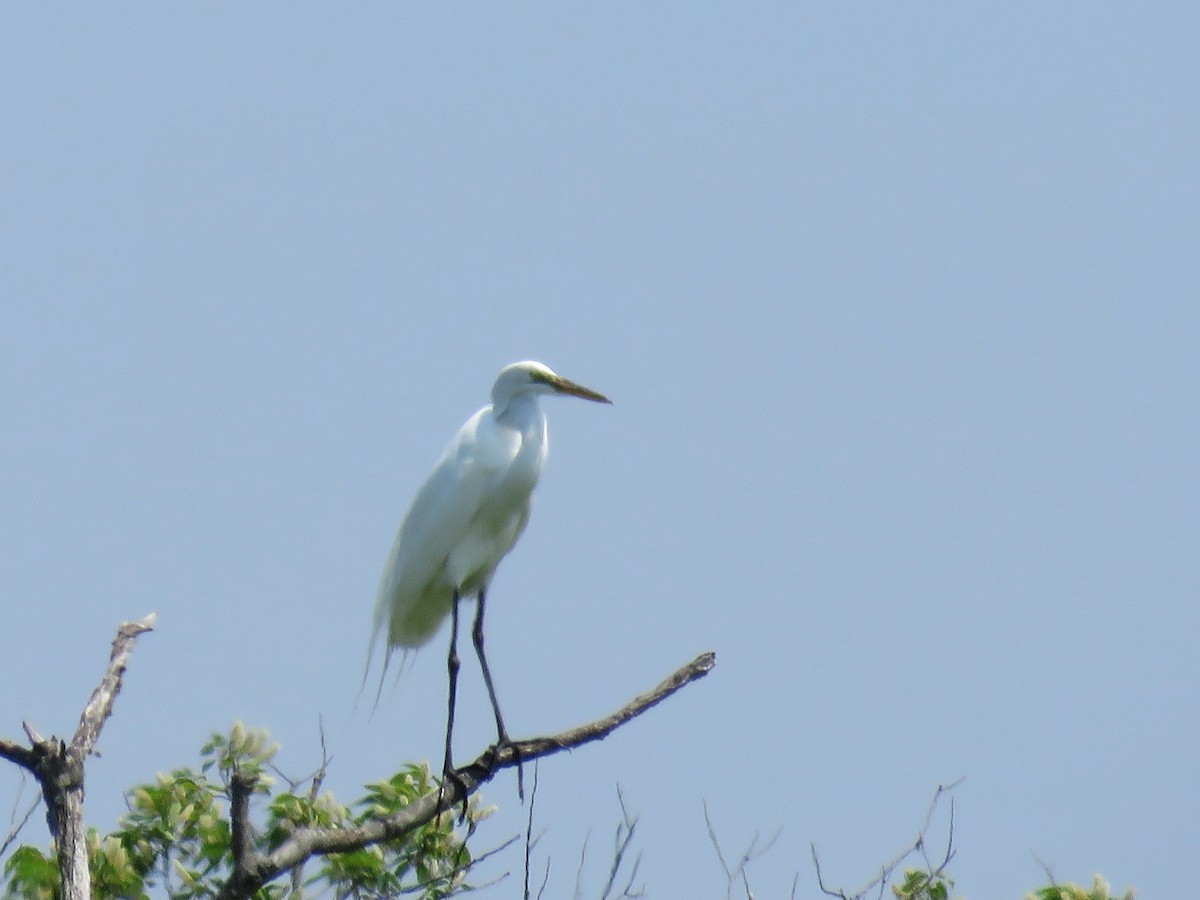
column 522, row 412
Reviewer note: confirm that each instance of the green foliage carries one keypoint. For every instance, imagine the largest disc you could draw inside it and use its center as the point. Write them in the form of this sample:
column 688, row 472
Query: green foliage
column 1100, row 891
column 920, row 885
column 176, row 838
column 32, row 874
column 432, row 856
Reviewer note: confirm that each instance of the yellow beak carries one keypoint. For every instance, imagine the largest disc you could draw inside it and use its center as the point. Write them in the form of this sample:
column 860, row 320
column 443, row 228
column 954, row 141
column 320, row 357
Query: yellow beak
column 566, row 386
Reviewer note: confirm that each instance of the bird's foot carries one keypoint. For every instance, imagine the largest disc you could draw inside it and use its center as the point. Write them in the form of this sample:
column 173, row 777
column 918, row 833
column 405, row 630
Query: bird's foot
column 449, row 775
column 492, row 759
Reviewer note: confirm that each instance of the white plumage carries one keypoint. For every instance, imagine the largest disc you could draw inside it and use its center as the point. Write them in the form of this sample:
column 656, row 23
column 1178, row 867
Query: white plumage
column 471, row 510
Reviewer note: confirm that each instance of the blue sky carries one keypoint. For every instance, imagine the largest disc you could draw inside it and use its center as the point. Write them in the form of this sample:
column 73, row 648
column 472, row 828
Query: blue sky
column 897, row 304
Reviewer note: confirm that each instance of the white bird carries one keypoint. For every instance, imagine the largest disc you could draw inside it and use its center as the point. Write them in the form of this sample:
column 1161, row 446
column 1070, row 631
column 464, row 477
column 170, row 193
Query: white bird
column 465, row 518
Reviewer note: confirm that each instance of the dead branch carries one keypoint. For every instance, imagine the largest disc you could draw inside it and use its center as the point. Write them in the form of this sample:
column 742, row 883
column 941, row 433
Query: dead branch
column 530, row 840
column 21, row 756
column 621, row 843
column 253, row 870
column 583, row 850
column 739, row 872
column 917, row 847
column 18, row 826
column 314, row 781
column 59, row 766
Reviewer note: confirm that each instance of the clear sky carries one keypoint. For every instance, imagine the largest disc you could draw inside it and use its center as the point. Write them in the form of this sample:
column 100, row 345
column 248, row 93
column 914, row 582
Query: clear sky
column 898, row 307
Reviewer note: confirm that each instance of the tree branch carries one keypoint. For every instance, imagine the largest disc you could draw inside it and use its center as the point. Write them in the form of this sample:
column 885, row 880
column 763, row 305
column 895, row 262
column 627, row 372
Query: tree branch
column 99, row 707
column 17, row 826
column 740, row 872
column 21, row 756
column 59, row 767
column 241, row 786
column 918, row 846
column 254, row 870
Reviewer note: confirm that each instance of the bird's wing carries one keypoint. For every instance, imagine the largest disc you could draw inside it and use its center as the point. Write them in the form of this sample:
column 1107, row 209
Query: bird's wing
column 438, row 519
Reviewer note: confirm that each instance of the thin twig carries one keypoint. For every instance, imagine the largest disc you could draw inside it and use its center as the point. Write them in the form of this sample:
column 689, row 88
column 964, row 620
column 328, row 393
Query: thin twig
column 741, row 870
column 314, row 780
column 621, row 842
column 888, row 868
column 712, row 837
column 18, row 826
column 462, row 868
column 587, row 838
column 529, row 829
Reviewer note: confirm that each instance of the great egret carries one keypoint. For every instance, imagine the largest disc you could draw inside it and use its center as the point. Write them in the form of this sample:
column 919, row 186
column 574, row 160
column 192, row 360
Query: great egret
column 467, row 515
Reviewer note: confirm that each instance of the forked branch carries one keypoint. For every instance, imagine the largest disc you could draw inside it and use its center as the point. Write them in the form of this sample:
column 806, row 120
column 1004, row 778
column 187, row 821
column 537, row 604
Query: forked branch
column 254, row 870
column 58, row 766
column 919, row 846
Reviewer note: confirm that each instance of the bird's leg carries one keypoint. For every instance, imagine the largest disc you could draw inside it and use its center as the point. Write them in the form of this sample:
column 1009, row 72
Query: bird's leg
column 452, row 666
column 477, row 637
column 502, row 739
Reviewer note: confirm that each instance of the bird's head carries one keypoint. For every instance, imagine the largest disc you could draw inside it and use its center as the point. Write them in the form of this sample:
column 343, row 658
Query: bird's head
column 531, row 377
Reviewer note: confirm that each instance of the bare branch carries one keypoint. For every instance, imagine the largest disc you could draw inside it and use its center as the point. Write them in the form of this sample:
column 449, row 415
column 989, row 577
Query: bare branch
column 59, row 767
column 545, row 880
column 529, row 841
column 254, row 871
column 587, row 839
column 742, row 869
column 484, row 857
column 712, row 837
column 621, row 842
column 21, row 756
column 100, row 705
column 98, row 708
column 602, row 728
column 461, row 868
column 918, row 846
column 18, row 826
column 820, row 880
column 314, row 780
column 1046, row 867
